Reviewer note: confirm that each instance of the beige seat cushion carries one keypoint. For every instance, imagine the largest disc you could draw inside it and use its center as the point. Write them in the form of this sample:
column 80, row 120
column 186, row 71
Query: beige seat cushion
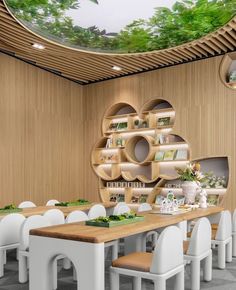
column 185, row 246
column 139, row 261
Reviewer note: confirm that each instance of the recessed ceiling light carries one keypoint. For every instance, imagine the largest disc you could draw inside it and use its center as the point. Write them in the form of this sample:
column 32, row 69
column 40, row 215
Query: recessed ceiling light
column 117, row 68
column 38, row 46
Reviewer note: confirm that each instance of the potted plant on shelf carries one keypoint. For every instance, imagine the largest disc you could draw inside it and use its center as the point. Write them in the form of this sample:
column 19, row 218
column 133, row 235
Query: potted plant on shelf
column 191, row 177
column 136, row 124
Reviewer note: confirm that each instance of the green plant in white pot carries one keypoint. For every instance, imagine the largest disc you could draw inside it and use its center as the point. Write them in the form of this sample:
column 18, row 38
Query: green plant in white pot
column 191, row 177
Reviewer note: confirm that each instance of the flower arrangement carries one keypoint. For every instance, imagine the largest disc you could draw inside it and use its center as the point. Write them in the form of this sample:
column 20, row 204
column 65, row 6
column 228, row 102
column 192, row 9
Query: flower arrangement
column 213, row 181
column 191, row 173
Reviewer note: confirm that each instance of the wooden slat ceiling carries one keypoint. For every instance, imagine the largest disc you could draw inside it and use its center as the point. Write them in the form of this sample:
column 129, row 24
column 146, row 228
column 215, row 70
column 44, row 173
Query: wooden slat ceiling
column 87, row 67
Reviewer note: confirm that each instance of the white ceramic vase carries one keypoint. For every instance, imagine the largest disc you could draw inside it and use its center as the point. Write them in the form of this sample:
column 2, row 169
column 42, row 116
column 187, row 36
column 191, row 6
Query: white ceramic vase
column 190, row 190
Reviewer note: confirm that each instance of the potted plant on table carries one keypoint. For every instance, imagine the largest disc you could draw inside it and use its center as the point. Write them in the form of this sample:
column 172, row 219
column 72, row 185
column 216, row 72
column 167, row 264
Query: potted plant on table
column 191, row 177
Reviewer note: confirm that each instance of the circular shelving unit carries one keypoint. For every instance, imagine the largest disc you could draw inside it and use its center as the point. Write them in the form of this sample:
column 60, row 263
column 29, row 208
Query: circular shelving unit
column 227, row 66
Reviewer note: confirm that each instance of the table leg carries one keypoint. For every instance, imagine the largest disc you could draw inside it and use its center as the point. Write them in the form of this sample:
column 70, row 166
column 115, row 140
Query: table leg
column 88, row 260
column 134, row 244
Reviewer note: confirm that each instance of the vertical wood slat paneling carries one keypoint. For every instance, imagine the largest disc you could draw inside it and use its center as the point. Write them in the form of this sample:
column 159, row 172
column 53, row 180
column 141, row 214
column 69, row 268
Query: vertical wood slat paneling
column 205, row 111
column 41, row 133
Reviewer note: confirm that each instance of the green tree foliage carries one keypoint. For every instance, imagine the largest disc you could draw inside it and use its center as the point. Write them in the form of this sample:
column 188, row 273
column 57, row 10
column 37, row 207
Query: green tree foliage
column 186, row 21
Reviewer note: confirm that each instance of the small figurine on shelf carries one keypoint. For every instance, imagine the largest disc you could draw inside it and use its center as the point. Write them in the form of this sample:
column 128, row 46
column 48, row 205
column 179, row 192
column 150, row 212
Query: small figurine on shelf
column 145, row 124
column 203, row 198
column 136, row 124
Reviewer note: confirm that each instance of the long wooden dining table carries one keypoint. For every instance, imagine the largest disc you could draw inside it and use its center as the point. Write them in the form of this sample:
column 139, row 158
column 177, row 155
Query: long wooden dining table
column 84, row 246
column 40, row 210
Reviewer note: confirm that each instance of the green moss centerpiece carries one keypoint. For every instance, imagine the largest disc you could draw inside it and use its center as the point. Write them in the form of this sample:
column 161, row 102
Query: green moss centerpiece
column 11, row 208
column 115, row 220
column 73, row 203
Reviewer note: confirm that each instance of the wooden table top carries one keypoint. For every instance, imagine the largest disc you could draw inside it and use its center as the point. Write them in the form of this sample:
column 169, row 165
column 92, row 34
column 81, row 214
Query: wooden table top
column 66, row 210
column 91, row 234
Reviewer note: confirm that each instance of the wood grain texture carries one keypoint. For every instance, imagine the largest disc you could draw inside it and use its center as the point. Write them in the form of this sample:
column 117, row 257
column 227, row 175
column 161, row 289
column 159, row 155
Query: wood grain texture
column 41, row 135
column 205, row 111
column 91, row 234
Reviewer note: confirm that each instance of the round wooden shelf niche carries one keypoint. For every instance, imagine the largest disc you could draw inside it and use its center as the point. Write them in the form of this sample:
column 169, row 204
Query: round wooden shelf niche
column 228, row 70
column 139, row 149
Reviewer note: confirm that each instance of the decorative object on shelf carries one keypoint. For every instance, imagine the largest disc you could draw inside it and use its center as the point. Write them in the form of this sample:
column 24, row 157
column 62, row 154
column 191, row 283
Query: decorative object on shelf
column 191, row 177
column 203, row 198
column 213, row 181
column 109, row 143
column 159, row 139
column 159, row 199
column 232, row 76
column 181, row 154
column 213, row 199
column 144, row 124
column 173, row 185
column 169, row 155
column 163, row 121
column 120, row 142
column 135, row 198
column 136, row 124
column 159, row 155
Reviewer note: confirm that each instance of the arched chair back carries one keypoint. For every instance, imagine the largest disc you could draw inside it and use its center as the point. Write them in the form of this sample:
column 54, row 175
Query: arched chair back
column 10, row 226
column 96, row 211
column 200, row 241
column 52, row 202
column 123, row 208
column 55, row 216
column 26, row 204
column 32, row 222
column 144, row 207
column 168, row 253
column 234, row 221
column 76, row 216
column 224, row 230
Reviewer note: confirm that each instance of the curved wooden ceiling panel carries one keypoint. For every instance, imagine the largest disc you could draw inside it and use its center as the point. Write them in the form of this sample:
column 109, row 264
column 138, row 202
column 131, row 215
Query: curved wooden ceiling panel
column 87, row 67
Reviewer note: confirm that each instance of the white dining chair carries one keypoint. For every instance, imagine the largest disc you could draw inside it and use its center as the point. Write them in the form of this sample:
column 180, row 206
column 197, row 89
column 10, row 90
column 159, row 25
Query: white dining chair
column 165, row 262
column 121, row 209
column 144, row 207
column 96, row 211
column 52, row 202
column 26, row 204
column 32, row 222
column 55, row 216
column 234, row 233
column 222, row 237
column 197, row 249
column 9, row 235
column 76, row 216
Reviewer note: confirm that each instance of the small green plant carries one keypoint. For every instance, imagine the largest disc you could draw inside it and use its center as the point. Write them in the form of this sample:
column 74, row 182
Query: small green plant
column 10, row 206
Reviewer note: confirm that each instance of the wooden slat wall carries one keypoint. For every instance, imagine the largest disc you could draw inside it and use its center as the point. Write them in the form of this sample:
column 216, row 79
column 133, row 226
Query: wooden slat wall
column 41, row 135
column 205, row 111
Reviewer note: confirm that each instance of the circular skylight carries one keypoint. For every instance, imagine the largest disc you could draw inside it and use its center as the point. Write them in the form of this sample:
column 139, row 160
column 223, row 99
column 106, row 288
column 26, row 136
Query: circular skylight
column 123, row 26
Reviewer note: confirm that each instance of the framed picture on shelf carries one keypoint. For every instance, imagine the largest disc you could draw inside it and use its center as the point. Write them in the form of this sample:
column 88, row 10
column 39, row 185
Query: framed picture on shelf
column 143, row 198
column 113, row 197
column 169, row 155
column 163, row 121
column 135, row 199
column 213, row 199
column 159, row 199
column 122, row 126
column 120, row 197
column 159, row 155
column 113, row 126
column 181, row 154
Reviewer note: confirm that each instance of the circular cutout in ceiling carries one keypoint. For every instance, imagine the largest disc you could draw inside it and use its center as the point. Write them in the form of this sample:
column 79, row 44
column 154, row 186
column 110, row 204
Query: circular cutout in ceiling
column 122, row 26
